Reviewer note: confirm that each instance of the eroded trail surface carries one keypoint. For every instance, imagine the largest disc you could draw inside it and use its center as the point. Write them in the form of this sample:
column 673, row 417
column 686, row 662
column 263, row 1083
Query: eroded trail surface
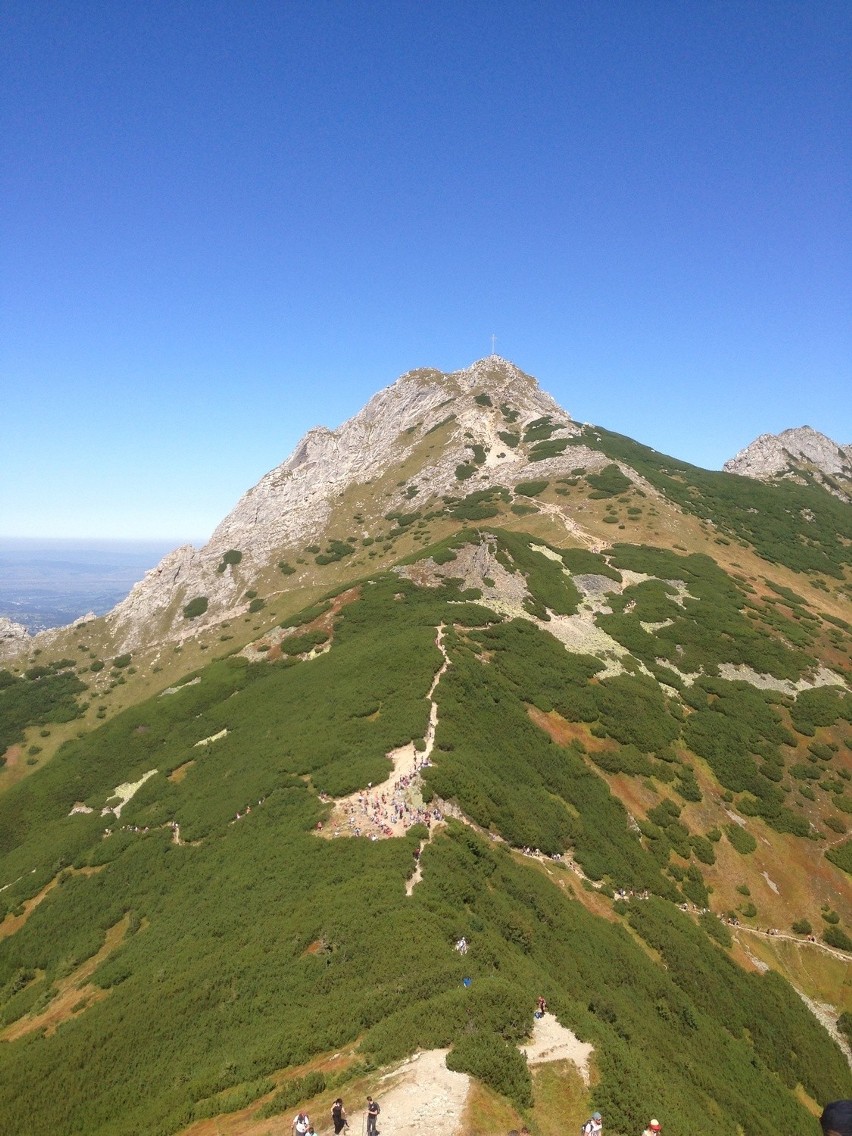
column 422, row 1098
column 553, row 1042
column 392, row 807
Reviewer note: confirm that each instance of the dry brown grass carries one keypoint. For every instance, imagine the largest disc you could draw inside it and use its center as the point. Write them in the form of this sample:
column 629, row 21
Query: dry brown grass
column 13, row 923
column 486, row 1113
column 74, row 993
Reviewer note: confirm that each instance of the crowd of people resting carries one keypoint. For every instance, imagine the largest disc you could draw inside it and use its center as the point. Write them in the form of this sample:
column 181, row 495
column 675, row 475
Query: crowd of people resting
column 389, row 808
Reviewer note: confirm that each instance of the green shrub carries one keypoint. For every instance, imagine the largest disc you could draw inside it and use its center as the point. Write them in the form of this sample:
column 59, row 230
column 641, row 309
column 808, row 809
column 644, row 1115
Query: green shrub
column 496, row 1063
column 257, row 604
column 541, row 451
column 293, row 1092
column 715, row 928
column 610, row 482
column 232, row 557
column 834, row 937
column 531, row 488
column 196, row 607
column 483, row 400
column 285, row 569
column 802, row 927
column 841, row 856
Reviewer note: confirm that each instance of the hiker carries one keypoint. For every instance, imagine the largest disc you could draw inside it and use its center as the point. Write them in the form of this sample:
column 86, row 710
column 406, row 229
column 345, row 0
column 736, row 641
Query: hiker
column 301, row 1124
column 836, row 1119
column 653, row 1128
column 338, row 1117
column 373, row 1111
column 542, row 1006
column 594, row 1125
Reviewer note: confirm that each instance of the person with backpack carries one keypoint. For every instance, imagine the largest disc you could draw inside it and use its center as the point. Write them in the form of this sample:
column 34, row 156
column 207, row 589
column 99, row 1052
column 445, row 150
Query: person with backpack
column 653, row 1129
column 338, row 1117
column 593, row 1126
column 301, row 1124
column 373, row 1111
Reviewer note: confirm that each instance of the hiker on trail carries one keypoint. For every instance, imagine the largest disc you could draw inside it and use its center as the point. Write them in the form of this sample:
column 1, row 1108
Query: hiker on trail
column 301, row 1124
column 373, row 1111
column 594, row 1125
column 338, row 1117
column 836, row 1119
column 542, row 1006
column 653, row 1129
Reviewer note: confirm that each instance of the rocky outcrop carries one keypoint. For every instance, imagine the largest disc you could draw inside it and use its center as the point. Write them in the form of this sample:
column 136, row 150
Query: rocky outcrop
column 294, row 504
column 14, row 637
column 802, row 455
column 290, row 507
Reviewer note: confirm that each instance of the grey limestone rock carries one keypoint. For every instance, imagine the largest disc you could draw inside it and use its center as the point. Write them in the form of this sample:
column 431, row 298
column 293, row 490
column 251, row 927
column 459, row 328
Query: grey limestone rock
column 798, row 454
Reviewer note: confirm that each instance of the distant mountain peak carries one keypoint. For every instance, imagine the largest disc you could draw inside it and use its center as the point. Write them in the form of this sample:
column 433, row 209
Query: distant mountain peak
column 799, row 454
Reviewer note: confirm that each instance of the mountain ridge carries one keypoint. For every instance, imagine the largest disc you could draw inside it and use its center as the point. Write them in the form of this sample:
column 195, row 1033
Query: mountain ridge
column 293, row 503
column 800, row 454
column 539, row 713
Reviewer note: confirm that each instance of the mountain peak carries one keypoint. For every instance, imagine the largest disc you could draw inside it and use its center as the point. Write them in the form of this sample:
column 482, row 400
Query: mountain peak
column 799, row 454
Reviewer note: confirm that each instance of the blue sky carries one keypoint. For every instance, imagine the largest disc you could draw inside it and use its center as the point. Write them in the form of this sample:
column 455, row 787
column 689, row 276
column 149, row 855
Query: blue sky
column 223, row 223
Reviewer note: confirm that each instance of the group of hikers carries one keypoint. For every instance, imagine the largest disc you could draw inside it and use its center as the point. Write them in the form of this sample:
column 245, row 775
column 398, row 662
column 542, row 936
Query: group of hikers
column 302, row 1125
column 381, row 813
column 836, row 1120
column 594, row 1126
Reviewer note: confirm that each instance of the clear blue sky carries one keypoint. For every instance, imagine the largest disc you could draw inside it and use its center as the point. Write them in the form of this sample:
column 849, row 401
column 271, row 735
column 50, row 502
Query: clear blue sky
column 223, row 223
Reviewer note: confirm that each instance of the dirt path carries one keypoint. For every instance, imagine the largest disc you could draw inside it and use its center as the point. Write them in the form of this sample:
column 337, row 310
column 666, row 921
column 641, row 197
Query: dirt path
column 827, row 1017
column 593, row 543
column 393, row 806
column 422, row 1097
column 553, row 1042
column 842, row 955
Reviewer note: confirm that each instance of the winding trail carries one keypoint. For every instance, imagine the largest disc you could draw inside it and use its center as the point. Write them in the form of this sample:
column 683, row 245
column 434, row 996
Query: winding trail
column 395, row 804
column 838, row 954
column 593, row 543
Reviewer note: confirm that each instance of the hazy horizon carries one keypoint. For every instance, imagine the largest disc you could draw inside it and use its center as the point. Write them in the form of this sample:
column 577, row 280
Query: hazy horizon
column 48, row 582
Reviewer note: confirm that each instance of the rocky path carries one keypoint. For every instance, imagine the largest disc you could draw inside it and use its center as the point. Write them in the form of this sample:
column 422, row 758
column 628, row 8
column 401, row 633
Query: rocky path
column 393, row 806
column 553, row 1042
column 421, row 1097
column 842, row 955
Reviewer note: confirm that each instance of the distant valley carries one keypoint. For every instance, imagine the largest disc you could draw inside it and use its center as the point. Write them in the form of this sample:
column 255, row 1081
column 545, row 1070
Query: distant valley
column 50, row 583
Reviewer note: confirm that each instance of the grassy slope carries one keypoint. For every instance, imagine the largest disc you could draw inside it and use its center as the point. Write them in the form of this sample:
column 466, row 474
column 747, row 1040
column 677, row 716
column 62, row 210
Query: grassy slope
column 238, row 912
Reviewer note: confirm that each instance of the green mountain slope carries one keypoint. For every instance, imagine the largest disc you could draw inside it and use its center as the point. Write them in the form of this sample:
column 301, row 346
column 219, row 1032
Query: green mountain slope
column 243, row 948
column 487, row 675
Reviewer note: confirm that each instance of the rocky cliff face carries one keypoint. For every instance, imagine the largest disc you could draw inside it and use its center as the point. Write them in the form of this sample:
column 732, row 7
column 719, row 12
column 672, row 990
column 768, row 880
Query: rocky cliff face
column 13, row 636
column 802, row 454
column 291, row 506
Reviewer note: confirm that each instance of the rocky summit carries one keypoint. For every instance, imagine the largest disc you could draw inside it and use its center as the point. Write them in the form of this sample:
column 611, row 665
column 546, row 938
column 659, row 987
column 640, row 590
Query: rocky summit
column 802, row 455
column 486, row 762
